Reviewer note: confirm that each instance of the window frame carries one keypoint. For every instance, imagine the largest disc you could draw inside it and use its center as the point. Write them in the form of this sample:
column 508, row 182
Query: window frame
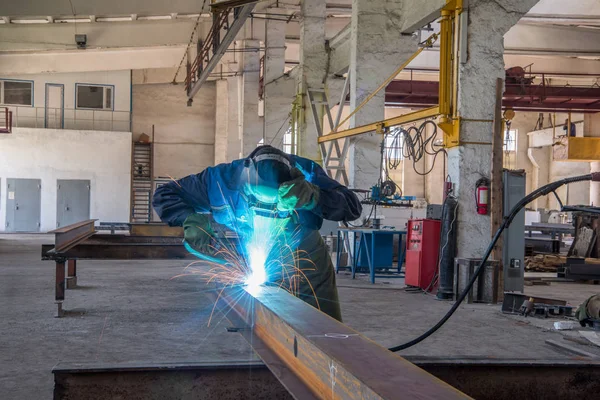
column 103, row 86
column 2, row 80
column 504, row 141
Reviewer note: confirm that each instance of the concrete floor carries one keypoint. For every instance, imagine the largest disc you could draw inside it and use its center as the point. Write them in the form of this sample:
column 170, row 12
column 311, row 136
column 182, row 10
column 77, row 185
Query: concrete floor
column 136, row 312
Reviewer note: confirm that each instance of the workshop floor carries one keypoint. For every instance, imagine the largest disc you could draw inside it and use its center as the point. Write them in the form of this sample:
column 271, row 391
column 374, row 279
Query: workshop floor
column 135, row 311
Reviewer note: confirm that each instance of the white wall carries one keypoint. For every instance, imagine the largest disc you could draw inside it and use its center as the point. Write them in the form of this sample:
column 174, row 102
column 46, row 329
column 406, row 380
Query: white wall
column 184, row 137
column 104, row 158
column 116, row 120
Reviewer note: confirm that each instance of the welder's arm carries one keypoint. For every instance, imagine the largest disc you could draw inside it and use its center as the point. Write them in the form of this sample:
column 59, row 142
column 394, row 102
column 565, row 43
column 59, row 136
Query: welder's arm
column 336, row 201
column 177, row 200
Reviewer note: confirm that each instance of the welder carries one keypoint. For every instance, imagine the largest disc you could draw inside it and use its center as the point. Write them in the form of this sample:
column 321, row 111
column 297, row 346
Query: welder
column 273, row 184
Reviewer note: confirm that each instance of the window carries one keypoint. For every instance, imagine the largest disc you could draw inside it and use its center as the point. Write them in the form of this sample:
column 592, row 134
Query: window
column 393, row 146
column 96, row 97
column 16, row 93
column 510, row 140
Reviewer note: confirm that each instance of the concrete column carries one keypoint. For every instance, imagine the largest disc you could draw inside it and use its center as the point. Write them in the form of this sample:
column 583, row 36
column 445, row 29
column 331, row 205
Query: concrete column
column 221, row 121
column 312, row 71
column 252, row 125
column 378, row 48
column 278, row 88
column 487, row 23
column 234, row 145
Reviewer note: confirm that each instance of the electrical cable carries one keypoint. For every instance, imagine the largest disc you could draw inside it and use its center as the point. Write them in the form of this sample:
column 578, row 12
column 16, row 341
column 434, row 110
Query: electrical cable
column 543, row 191
column 412, row 144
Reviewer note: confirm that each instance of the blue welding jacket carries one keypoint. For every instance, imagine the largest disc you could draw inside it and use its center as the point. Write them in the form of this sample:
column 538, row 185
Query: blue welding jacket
column 220, row 190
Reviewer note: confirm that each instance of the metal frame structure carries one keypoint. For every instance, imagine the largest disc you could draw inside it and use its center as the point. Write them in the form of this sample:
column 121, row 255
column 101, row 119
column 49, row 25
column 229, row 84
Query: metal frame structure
column 80, row 242
column 449, row 120
column 332, row 163
column 317, row 357
column 213, row 47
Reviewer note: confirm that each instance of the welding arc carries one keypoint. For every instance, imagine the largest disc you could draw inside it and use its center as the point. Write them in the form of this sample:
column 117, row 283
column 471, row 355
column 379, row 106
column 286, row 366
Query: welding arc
column 543, row 191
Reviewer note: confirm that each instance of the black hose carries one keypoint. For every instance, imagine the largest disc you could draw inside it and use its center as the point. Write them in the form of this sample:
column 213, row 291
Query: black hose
column 544, row 190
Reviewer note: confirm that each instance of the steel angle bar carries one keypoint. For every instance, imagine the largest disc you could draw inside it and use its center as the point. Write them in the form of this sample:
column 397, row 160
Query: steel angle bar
column 315, row 356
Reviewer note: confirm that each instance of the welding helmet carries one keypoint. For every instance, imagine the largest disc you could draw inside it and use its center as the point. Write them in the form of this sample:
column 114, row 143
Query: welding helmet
column 266, row 169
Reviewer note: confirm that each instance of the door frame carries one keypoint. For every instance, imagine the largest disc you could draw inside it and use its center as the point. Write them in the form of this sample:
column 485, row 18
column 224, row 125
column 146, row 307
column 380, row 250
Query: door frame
column 62, row 104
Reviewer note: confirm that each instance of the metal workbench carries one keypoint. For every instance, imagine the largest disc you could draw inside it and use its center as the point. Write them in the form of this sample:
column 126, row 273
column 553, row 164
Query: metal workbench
column 81, row 242
column 373, row 248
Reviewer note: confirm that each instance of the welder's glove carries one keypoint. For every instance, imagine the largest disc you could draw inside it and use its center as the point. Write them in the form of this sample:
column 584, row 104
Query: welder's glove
column 197, row 231
column 297, row 194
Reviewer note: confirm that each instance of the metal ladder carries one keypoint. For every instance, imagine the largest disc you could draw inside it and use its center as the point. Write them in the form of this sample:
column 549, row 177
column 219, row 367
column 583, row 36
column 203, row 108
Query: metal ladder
column 334, row 156
column 141, row 183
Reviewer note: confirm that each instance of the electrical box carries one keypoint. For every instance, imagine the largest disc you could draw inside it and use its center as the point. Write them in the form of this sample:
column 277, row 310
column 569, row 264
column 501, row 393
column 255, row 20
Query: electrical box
column 513, row 248
column 422, row 245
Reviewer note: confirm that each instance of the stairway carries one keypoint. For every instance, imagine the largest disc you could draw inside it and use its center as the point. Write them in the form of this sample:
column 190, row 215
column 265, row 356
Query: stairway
column 141, row 183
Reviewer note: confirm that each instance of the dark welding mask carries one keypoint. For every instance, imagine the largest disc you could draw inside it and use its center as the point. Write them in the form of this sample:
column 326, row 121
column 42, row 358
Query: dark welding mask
column 265, row 170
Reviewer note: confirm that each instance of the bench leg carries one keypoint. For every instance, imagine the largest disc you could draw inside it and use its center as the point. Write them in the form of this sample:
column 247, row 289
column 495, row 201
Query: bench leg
column 59, row 288
column 71, row 274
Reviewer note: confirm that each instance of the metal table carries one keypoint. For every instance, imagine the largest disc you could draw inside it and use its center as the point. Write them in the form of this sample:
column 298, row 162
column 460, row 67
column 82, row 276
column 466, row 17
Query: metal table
column 375, row 246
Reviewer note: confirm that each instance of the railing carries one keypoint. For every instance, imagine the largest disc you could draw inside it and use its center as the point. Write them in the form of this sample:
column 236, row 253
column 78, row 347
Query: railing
column 68, row 118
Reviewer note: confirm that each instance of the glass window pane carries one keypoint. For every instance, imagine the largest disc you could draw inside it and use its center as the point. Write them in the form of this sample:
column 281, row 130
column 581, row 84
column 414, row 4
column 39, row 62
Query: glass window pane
column 90, row 96
column 108, row 100
column 18, row 93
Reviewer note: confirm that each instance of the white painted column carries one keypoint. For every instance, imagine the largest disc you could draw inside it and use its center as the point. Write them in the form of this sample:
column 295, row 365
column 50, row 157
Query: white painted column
column 278, row 88
column 312, row 70
column 221, row 121
column 488, row 22
column 252, row 125
column 378, row 48
column 234, row 144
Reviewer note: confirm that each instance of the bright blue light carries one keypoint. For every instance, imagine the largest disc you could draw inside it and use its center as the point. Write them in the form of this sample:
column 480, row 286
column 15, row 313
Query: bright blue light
column 258, row 246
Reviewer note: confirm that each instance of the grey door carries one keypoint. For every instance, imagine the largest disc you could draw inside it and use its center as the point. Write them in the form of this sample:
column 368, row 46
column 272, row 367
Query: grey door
column 73, row 201
column 23, row 205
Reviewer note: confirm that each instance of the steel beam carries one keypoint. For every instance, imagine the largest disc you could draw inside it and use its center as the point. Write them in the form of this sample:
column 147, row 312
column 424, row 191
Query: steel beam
column 483, row 378
column 241, row 14
column 317, row 357
column 403, row 119
column 69, row 236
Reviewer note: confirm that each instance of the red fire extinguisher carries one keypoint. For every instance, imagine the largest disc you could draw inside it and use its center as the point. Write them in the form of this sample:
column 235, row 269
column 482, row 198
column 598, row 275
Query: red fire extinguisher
column 482, row 195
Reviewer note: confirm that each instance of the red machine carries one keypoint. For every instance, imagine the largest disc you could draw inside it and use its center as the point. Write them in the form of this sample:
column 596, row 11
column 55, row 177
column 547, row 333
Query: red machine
column 422, row 245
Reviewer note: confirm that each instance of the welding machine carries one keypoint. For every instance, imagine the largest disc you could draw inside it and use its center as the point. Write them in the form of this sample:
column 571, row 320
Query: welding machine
column 422, row 244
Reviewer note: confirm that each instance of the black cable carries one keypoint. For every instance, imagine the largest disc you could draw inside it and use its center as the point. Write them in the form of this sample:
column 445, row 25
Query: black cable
column 412, row 144
column 543, row 191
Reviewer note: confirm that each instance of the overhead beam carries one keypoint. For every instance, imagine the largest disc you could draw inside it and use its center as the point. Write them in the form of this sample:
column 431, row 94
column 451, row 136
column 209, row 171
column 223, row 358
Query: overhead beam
column 90, row 60
column 102, row 8
column 317, row 357
column 242, row 14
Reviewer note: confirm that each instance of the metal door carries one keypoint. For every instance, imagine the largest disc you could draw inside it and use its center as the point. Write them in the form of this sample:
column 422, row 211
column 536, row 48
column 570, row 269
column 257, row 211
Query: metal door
column 55, row 106
column 72, row 201
column 23, row 205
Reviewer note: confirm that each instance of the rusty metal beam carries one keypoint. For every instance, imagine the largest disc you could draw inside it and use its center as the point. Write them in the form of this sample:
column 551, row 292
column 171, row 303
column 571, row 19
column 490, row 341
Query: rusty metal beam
column 121, row 251
column 317, row 357
column 218, row 47
column 483, row 378
column 155, row 230
column 68, row 236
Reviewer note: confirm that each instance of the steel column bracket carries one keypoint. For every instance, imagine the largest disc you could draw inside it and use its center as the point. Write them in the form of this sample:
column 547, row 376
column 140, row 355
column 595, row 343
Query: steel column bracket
column 317, row 357
column 451, row 129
